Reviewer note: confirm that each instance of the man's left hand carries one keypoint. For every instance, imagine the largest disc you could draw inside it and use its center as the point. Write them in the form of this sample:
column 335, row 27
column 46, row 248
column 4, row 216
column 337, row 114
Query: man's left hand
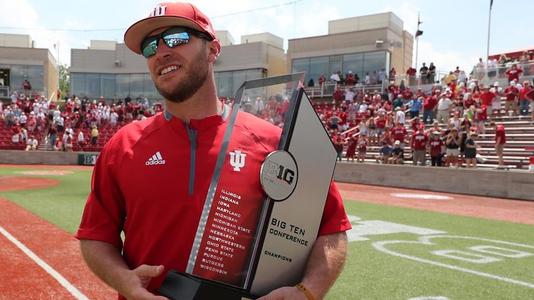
column 284, row 293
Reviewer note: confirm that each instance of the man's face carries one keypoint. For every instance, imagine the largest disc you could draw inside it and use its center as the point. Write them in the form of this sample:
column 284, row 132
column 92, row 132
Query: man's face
column 179, row 72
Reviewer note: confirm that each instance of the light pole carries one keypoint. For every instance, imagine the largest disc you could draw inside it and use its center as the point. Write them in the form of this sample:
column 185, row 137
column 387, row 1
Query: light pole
column 417, row 34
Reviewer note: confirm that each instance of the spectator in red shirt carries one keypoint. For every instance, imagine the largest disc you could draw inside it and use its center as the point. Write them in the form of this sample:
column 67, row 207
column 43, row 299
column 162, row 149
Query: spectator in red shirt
column 350, row 79
column 486, row 97
column 338, row 95
column 399, row 134
column 380, row 123
column 418, row 145
column 530, row 96
column 436, row 149
column 481, row 116
column 322, row 79
column 523, row 98
column 512, row 96
column 362, row 148
column 429, row 106
column 351, row 148
column 513, row 73
column 500, row 141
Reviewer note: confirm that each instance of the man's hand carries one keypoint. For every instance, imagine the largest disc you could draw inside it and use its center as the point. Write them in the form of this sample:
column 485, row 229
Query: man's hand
column 140, row 278
column 106, row 262
column 284, row 293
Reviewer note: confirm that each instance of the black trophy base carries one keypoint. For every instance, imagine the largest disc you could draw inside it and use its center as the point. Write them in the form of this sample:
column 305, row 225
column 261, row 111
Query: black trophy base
column 181, row 286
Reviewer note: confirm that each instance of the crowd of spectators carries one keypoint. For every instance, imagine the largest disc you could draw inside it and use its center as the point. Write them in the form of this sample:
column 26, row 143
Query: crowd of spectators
column 76, row 121
column 459, row 110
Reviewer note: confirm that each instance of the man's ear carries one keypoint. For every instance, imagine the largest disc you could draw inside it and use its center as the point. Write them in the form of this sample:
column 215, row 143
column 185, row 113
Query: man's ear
column 214, row 48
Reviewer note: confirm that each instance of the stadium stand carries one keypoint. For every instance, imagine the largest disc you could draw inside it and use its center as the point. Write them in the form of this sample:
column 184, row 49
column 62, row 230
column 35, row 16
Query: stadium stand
column 349, row 109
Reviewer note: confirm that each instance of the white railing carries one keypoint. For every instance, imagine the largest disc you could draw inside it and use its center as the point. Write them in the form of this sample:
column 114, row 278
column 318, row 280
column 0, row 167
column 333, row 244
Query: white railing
column 327, row 89
column 497, row 72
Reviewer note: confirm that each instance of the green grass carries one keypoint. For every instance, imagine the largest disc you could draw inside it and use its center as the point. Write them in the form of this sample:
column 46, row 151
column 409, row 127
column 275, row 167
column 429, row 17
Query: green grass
column 369, row 273
column 61, row 205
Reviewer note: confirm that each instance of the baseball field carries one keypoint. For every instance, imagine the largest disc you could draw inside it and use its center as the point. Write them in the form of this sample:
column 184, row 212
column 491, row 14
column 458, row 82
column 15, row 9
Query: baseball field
column 404, row 244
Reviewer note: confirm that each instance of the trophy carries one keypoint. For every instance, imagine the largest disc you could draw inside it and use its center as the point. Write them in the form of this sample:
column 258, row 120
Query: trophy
column 266, row 198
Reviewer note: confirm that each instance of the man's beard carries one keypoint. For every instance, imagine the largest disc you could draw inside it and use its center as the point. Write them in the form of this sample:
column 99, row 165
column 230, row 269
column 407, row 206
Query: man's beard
column 195, row 76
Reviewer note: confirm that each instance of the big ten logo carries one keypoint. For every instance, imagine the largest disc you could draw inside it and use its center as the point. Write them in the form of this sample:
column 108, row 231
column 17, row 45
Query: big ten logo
column 285, row 174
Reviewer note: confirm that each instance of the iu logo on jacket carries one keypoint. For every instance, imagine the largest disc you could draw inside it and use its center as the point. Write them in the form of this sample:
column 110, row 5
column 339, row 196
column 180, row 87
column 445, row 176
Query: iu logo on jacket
column 237, row 160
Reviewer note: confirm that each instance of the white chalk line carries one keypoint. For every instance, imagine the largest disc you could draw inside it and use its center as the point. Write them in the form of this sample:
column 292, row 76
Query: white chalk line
column 58, row 277
column 426, row 241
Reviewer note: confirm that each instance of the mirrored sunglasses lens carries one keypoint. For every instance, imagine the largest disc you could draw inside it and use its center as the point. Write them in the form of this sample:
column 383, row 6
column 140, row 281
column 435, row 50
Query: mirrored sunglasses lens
column 149, row 48
column 176, row 39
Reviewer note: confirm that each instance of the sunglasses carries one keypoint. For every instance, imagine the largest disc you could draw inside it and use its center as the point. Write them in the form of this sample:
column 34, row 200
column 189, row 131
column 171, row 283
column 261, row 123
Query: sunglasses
column 172, row 37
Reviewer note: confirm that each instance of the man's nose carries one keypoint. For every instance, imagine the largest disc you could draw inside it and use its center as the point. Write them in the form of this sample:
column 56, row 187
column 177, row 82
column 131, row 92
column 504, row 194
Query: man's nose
column 162, row 50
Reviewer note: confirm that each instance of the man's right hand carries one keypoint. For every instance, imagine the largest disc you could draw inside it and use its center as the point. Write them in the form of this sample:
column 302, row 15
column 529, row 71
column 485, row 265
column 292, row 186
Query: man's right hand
column 106, row 262
column 138, row 282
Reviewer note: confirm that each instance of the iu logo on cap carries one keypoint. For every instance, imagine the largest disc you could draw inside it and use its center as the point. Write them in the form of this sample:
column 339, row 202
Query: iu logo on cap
column 158, row 11
column 237, row 160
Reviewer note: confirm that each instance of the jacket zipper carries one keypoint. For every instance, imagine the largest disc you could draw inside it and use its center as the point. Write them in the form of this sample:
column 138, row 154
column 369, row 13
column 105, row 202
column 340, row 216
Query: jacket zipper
column 192, row 134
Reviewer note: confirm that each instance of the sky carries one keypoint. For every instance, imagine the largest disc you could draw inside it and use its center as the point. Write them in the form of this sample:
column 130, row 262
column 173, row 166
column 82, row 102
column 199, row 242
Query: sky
column 455, row 32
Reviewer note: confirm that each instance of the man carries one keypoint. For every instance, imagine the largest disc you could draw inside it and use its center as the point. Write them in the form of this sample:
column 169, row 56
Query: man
column 399, row 134
column 513, row 73
column 500, row 141
column 397, row 154
column 512, row 97
column 148, row 184
column 444, row 107
column 432, row 73
column 429, row 105
column 524, row 101
column 419, row 144
column 486, row 97
column 423, row 73
column 384, row 153
column 436, row 149
column 31, row 143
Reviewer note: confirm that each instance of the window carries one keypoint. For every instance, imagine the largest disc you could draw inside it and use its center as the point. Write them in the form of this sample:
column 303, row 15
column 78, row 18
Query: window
column 107, row 84
column 354, row 63
column 149, row 89
column 35, row 76
column 224, row 84
column 335, row 65
column 77, row 84
column 122, row 85
column 136, row 85
column 92, row 85
column 318, row 66
column 301, row 65
column 374, row 61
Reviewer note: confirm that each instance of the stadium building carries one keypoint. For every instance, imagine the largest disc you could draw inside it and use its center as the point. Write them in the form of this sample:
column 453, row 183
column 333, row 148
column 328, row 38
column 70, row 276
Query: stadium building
column 20, row 61
column 111, row 70
column 362, row 45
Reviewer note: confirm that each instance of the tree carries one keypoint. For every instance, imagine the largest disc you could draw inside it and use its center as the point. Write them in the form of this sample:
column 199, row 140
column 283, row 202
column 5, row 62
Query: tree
column 64, row 80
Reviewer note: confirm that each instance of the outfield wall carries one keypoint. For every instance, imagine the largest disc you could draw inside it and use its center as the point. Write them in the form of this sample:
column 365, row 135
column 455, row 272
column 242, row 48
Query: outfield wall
column 40, row 157
column 480, row 182
column 503, row 184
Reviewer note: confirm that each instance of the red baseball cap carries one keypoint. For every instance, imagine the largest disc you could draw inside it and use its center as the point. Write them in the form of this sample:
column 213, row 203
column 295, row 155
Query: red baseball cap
column 167, row 14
